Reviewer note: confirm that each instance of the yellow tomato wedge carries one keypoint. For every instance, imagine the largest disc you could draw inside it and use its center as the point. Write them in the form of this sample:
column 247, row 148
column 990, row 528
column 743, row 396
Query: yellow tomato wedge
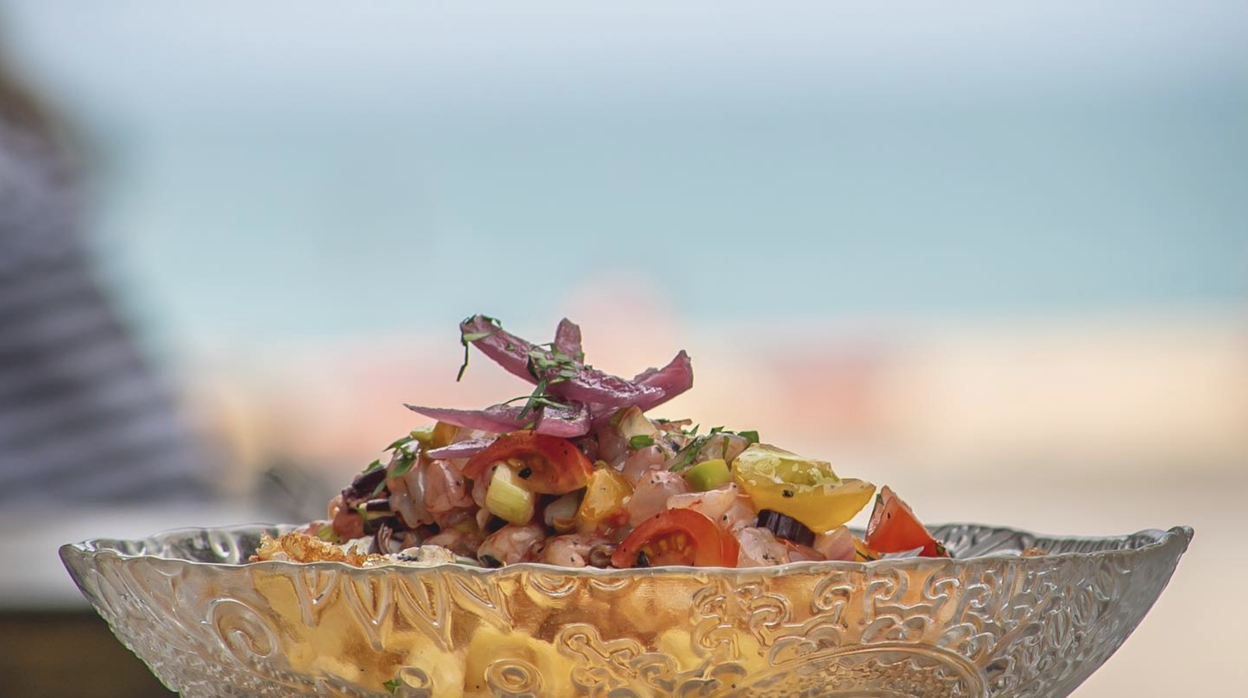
column 605, row 494
column 803, row 488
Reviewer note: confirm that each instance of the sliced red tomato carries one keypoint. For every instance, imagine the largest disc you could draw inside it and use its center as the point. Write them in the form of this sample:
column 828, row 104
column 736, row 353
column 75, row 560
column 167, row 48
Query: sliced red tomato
column 547, row 464
column 893, row 528
column 677, row 537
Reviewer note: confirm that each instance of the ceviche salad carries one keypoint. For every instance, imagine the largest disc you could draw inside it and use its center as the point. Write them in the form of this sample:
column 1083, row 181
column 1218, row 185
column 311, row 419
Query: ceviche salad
column 577, row 473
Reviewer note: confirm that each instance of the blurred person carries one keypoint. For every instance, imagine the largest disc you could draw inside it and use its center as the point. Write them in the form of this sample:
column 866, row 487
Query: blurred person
column 82, row 416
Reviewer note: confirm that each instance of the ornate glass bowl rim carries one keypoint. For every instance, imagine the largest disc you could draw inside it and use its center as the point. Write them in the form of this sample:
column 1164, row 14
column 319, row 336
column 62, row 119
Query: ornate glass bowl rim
column 998, row 543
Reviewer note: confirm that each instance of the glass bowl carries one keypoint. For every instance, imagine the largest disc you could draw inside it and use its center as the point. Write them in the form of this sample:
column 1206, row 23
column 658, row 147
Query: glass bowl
column 989, row 623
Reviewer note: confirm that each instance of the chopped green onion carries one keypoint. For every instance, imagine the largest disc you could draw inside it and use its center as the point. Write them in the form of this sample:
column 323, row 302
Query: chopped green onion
column 640, row 441
column 406, row 461
column 508, row 499
column 708, row 475
column 424, row 435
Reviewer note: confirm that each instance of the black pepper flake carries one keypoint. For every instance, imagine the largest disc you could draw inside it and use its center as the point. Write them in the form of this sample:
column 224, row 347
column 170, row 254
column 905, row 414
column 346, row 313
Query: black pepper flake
column 490, row 561
column 643, row 560
column 526, row 473
column 787, row 493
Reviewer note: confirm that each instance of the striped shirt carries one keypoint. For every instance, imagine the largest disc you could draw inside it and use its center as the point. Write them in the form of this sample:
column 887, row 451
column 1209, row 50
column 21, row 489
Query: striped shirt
column 82, row 417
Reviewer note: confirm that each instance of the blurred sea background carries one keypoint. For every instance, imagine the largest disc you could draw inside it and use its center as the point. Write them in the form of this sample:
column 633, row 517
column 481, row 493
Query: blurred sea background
column 993, row 256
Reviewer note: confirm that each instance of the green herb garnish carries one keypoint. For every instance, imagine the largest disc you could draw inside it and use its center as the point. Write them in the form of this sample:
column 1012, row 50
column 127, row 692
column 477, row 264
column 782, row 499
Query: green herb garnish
column 392, row 685
column 640, row 441
column 685, row 458
column 469, row 338
column 405, row 464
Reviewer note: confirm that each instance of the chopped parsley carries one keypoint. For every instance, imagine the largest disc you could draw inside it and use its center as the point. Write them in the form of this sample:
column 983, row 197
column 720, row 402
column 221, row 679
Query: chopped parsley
column 687, row 454
column 685, row 458
column 640, row 441
column 392, row 685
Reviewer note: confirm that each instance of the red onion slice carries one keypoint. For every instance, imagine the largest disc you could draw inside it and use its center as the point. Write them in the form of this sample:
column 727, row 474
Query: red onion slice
column 673, row 379
column 498, row 419
column 462, row 449
column 593, row 386
column 568, row 340
column 504, row 348
column 568, row 422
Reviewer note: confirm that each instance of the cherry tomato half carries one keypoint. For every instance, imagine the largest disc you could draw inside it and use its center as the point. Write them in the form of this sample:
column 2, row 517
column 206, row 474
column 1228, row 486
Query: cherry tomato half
column 677, row 537
column 547, row 464
column 893, row 528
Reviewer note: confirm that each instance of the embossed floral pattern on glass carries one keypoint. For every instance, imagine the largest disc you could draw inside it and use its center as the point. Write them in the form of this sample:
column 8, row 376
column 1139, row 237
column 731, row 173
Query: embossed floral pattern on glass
column 991, row 623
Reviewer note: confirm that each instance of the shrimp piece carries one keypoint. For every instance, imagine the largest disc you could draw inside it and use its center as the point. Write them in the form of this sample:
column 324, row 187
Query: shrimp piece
column 411, row 509
column 407, row 495
column 612, row 447
column 651, row 495
column 314, row 527
column 714, row 504
column 456, row 541
column 802, row 553
column 335, row 506
column 445, row 489
column 511, row 544
column 572, row 550
column 640, row 462
column 722, row 445
column 837, row 544
column 348, row 524
column 738, row 516
column 481, row 486
column 759, row 548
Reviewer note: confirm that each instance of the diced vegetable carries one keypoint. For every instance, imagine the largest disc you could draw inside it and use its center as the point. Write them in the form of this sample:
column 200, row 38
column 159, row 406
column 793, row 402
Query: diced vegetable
column 604, row 500
column 803, row 488
column 435, row 435
column 709, row 474
column 894, row 528
column 508, row 499
column 635, row 424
